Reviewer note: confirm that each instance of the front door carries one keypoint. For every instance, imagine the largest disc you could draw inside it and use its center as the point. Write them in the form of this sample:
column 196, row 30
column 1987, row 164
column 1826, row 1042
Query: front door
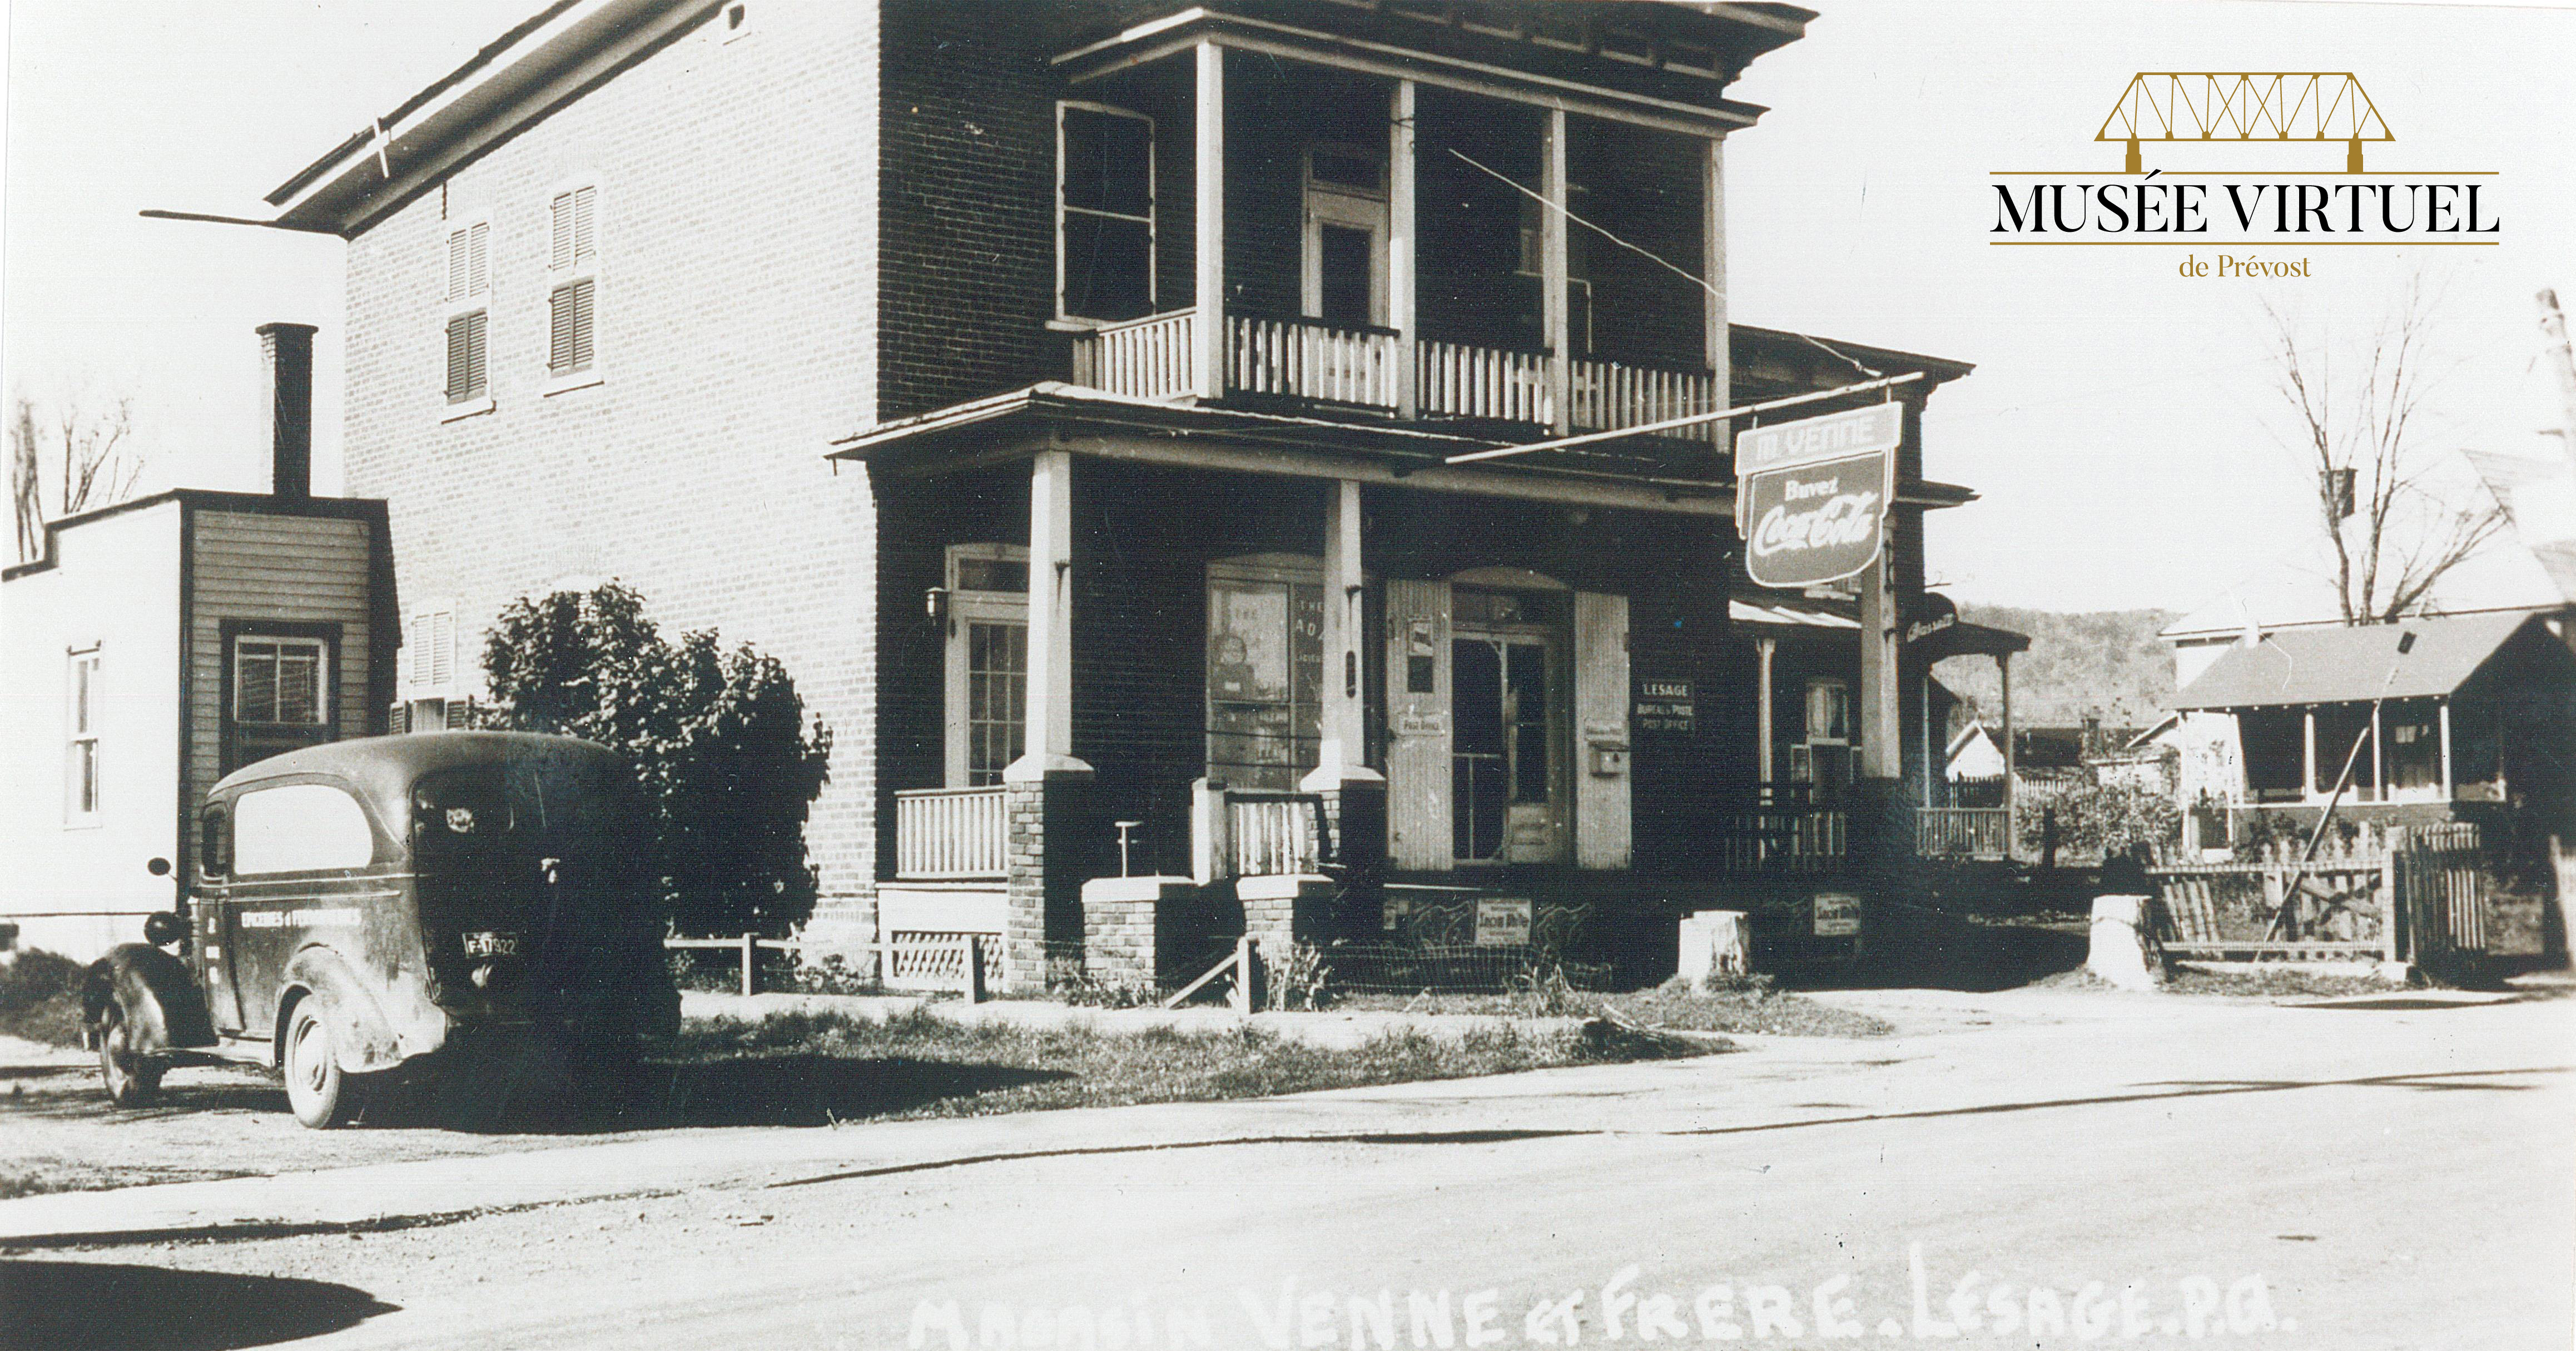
column 1507, row 782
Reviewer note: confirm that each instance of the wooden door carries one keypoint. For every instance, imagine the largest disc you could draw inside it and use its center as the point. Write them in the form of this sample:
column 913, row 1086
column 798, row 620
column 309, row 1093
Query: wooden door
column 1418, row 729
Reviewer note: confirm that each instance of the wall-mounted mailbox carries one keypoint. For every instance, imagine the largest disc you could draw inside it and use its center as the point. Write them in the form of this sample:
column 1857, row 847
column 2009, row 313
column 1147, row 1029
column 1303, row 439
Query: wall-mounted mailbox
column 1609, row 758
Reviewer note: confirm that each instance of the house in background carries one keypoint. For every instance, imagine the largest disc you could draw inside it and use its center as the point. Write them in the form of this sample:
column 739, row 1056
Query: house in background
column 1141, row 338
column 160, row 644
column 2476, row 722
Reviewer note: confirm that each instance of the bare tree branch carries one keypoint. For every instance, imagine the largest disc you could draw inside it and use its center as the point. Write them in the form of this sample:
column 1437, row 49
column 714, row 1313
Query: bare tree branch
column 2392, row 533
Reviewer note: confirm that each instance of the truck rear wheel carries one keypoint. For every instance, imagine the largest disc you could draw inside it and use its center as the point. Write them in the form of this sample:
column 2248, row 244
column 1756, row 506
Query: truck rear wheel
column 321, row 1095
column 131, row 1079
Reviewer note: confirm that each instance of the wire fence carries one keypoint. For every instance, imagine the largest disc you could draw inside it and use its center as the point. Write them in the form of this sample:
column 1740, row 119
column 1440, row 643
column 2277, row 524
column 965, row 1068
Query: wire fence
column 1343, row 968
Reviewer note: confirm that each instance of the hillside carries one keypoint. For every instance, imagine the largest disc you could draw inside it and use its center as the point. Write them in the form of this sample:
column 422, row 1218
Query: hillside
column 2101, row 663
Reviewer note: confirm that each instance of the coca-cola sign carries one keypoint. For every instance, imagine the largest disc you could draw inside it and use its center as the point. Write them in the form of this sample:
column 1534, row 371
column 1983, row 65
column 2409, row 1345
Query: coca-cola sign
column 1816, row 523
column 1811, row 496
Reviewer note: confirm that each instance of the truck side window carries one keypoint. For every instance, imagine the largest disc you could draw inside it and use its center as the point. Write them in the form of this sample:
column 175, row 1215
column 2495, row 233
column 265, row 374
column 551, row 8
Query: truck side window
column 214, row 845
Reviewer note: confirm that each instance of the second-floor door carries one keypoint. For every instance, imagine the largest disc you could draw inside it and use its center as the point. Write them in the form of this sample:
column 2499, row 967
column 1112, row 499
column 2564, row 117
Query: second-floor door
column 1346, row 237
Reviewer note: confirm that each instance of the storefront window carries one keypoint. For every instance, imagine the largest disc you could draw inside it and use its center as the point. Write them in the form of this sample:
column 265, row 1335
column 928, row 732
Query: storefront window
column 1265, row 658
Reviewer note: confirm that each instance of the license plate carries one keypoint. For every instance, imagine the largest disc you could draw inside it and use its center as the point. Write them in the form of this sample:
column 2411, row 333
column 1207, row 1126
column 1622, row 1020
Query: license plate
column 491, row 945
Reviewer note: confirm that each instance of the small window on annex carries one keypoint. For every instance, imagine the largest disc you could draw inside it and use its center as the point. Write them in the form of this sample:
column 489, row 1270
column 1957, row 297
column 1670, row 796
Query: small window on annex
column 279, row 696
column 81, row 719
column 1104, row 212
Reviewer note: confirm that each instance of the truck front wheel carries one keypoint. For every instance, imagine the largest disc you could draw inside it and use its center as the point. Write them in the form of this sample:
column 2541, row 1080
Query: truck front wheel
column 321, row 1095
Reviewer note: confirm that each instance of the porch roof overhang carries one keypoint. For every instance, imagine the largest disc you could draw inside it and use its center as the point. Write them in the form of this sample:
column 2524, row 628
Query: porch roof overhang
column 1056, row 416
column 2353, row 665
column 1502, row 55
column 1963, row 639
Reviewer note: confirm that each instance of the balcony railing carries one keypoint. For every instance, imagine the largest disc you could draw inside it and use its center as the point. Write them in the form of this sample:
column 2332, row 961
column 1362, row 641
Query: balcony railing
column 1151, row 358
column 1360, row 367
column 950, row 835
column 1276, row 834
column 1305, row 359
column 1787, row 838
column 1484, row 383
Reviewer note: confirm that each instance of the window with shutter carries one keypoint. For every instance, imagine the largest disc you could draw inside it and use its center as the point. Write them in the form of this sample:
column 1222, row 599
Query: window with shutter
column 572, row 292
column 571, row 321
column 469, row 261
column 467, row 288
column 429, row 651
column 467, row 353
column 573, row 213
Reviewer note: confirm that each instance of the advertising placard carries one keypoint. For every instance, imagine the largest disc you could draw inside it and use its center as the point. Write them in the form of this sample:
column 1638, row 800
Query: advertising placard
column 1816, row 523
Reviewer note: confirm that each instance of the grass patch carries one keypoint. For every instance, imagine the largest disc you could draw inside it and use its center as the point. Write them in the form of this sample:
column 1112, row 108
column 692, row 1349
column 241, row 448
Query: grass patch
column 1752, row 1006
column 40, row 998
column 2277, row 981
column 920, row 1065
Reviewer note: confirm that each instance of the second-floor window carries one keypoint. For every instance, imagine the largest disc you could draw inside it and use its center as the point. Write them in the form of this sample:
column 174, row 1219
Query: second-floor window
column 1104, row 212
column 467, row 292
column 572, row 293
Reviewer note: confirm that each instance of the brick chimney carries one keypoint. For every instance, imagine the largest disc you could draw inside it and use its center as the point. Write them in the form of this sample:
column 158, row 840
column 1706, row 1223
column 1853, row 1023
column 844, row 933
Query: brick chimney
column 286, row 352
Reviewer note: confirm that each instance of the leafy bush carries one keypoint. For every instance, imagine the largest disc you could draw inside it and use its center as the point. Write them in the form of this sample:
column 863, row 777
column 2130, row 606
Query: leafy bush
column 1303, row 982
column 2101, row 820
column 719, row 740
column 40, row 997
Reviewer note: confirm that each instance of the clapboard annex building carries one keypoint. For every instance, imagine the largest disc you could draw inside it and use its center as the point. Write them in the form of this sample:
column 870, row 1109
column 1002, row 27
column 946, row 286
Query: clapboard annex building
column 1068, row 394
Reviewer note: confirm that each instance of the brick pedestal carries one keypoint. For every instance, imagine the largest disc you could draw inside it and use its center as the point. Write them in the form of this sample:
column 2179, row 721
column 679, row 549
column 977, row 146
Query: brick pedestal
column 1142, row 930
column 1051, row 850
column 1281, row 912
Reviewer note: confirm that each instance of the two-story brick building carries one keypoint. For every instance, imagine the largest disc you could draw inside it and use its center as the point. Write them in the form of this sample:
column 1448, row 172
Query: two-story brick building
column 1070, row 394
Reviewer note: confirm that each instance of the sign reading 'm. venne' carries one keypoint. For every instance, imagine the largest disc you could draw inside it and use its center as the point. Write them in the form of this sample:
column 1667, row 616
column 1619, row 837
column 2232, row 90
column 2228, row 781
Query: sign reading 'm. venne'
column 1811, row 496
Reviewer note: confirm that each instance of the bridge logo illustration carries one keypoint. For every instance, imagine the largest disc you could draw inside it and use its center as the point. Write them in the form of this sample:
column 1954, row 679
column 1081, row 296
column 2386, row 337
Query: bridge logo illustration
column 2197, row 106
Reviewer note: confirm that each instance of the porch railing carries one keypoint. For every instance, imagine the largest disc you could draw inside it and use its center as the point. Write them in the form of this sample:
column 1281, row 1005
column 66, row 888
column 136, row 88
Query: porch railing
column 1485, row 383
column 1783, row 839
column 1608, row 396
column 1306, row 359
column 1276, row 833
column 950, row 834
column 1150, row 358
column 1962, row 832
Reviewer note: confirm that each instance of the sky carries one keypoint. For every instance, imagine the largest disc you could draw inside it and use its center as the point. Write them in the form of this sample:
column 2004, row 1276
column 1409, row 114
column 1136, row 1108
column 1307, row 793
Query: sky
column 2119, row 426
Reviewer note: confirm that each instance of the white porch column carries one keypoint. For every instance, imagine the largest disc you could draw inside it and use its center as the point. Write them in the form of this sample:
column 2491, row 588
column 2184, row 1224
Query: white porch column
column 2308, row 756
column 1402, row 263
column 1208, row 157
column 1882, row 737
column 1763, row 756
column 1554, row 321
column 2378, row 764
column 1343, row 755
column 1712, row 269
column 1050, row 676
column 2443, row 707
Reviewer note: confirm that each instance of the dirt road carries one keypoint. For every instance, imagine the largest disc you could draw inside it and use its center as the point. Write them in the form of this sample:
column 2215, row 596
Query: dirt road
column 2357, row 1177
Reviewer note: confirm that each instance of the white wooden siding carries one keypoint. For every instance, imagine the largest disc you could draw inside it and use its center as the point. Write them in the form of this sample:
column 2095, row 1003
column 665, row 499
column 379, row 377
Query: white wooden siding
column 296, row 569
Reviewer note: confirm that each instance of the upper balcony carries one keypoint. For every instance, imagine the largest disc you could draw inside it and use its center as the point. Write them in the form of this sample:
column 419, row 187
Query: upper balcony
column 1292, row 228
